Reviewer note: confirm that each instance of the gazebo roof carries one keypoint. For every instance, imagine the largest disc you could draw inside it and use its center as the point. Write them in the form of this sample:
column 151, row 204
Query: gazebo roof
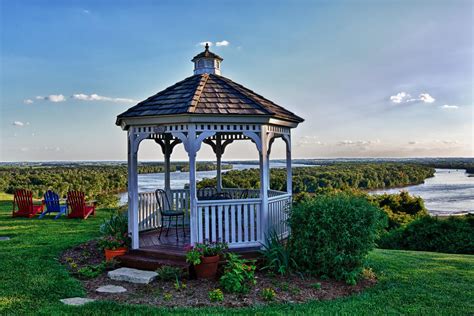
column 208, row 94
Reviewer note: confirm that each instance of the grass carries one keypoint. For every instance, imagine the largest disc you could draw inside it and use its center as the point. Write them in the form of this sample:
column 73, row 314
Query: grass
column 32, row 281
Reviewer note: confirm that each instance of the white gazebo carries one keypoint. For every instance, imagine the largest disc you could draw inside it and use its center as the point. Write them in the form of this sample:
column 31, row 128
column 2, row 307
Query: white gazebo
column 210, row 109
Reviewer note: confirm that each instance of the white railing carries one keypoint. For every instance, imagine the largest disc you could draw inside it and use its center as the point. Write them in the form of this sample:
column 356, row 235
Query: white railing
column 236, row 222
column 237, row 193
column 278, row 212
column 148, row 215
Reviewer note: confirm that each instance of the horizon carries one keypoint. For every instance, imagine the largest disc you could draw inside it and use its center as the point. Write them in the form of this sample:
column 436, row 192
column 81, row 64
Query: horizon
column 372, row 80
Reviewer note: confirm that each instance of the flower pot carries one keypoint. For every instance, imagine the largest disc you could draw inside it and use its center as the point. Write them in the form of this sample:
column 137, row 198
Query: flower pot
column 207, row 269
column 110, row 254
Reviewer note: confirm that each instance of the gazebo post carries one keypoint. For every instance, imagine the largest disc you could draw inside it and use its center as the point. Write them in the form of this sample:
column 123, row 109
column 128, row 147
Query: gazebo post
column 219, row 162
column 133, row 188
column 192, row 151
column 167, row 154
column 264, row 181
column 289, row 171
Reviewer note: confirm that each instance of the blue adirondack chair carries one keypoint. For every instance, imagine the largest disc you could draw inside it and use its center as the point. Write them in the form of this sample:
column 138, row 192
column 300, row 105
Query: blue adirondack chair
column 51, row 200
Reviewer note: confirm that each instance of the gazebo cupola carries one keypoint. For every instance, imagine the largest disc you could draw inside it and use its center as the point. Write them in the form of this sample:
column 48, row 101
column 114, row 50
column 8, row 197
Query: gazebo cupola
column 207, row 62
column 209, row 109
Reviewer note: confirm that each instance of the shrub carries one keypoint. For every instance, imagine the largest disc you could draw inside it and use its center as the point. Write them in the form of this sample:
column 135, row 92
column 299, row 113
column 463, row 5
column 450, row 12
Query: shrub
column 332, row 234
column 239, row 274
column 454, row 234
column 401, row 208
column 216, row 295
column 116, row 225
column 169, row 273
column 268, row 294
column 277, row 255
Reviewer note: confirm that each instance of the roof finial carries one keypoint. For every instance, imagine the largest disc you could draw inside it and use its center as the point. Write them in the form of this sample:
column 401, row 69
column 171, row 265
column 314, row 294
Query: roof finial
column 207, row 46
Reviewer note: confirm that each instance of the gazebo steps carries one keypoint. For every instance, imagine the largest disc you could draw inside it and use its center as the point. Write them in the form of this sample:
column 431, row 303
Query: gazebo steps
column 148, row 263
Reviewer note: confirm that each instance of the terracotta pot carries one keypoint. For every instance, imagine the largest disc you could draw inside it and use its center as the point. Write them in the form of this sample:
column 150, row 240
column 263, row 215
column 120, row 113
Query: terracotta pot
column 110, row 254
column 207, row 269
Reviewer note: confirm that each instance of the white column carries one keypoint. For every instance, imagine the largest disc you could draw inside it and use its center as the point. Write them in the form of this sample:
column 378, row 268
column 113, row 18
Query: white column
column 264, row 182
column 289, row 171
column 133, row 188
column 167, row 154
column 192, row 150
column 219, row 163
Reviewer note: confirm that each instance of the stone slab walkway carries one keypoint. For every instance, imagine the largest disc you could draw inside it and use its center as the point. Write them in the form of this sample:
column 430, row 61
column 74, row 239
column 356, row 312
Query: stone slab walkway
column 132, row 275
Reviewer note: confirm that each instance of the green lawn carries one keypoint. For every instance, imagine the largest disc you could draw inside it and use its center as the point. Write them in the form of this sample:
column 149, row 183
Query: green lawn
column 32, row 281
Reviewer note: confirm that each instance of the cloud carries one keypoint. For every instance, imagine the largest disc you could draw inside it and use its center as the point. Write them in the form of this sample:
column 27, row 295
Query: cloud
column 425, row 97
column 309, row 140
column 204, row 43
column 222, row 43
column 449, row 107
column 28, row 101
column 412, row 142
column 18, row 123
column 52, row 98
column 96, row 97
column 86, row 11
column 359, row 142
column 24, row 149
column 47, row 148
column 403, row 97
column 399, row 97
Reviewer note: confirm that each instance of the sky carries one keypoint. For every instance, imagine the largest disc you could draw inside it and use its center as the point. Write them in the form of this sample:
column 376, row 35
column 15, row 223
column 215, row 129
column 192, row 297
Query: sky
column 371, row 78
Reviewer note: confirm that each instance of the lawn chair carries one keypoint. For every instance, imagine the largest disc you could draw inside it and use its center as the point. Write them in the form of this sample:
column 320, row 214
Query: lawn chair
column 165, row 210
column 23, row 199
column 51, row 200
column 77, row 206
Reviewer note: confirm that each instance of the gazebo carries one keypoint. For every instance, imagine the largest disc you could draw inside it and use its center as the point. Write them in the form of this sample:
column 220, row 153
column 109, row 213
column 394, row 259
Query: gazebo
column 210, row 109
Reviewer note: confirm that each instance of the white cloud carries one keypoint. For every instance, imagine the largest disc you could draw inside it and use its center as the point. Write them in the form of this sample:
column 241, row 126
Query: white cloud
column 96, row 97
column 204, row 43
column 24, row 149
column 18, row 123
column 403, row 97
column 425, row 97
column 309, row 140
column 86, row 11
column 412, row 142
column 52, row 98
column 28, row 101
column 359, row 142
column 450, row 107
column 399, row 97
column 222, row 43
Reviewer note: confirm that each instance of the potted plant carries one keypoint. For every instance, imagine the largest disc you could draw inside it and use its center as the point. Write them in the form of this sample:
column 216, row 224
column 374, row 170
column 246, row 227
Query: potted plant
column 205, row 258
column 115, row 239
column 114, row 246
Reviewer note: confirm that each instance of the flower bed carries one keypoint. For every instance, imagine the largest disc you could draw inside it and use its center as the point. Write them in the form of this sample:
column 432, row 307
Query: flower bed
column 193, row 293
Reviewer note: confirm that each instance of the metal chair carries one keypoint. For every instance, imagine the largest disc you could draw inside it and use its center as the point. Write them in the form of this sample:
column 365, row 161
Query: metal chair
column 164, row 206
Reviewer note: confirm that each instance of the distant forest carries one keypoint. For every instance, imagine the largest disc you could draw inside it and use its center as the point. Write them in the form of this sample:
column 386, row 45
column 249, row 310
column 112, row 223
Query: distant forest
column 365, row 176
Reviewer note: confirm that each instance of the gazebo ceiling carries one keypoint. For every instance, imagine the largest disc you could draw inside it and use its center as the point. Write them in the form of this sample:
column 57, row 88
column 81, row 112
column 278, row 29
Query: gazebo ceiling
column 207, row 95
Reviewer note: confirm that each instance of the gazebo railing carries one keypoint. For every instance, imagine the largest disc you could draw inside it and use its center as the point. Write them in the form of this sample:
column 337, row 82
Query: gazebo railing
column 278, row 213
column 236, row 222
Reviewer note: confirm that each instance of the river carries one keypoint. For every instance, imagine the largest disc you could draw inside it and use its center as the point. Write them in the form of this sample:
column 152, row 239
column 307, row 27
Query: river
column 449, row 192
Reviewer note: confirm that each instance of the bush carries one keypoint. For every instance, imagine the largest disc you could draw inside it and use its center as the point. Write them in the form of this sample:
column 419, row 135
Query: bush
column 268, row 294
column 277, row 255
column 401, row 208
column 169, row 273
column 216, row 295
column 454, row 234
column 239, row 274
column 332, row 235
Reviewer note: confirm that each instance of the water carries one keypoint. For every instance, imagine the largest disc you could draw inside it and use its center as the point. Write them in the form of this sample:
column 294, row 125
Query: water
column 149, row 182
column 449, row 192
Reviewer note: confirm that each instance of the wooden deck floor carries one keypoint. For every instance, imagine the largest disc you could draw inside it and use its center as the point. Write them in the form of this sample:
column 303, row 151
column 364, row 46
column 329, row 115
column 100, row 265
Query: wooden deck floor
column 149, row 241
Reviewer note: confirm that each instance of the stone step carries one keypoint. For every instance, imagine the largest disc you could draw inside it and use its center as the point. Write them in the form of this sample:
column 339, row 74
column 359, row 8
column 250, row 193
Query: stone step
column 148, row 263
column 158, row 253
column 132, row 275
column 77, row 301
column 111, row 289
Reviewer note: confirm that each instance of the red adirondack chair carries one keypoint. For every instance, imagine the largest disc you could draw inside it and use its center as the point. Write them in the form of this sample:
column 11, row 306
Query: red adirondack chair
column 23, row 199
column 77, row 206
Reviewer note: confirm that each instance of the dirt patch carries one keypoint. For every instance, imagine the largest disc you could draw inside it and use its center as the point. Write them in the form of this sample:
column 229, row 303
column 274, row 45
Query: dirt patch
column 289, row 289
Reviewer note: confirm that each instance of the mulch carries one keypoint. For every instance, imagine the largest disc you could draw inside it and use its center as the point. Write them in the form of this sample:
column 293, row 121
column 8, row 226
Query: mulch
column 288, row 289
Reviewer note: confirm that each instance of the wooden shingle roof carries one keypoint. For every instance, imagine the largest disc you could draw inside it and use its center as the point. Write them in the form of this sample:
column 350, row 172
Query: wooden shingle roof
column 208, row 94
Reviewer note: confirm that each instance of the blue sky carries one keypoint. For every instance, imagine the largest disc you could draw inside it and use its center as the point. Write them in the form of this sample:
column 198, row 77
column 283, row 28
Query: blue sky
column 371, row 78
